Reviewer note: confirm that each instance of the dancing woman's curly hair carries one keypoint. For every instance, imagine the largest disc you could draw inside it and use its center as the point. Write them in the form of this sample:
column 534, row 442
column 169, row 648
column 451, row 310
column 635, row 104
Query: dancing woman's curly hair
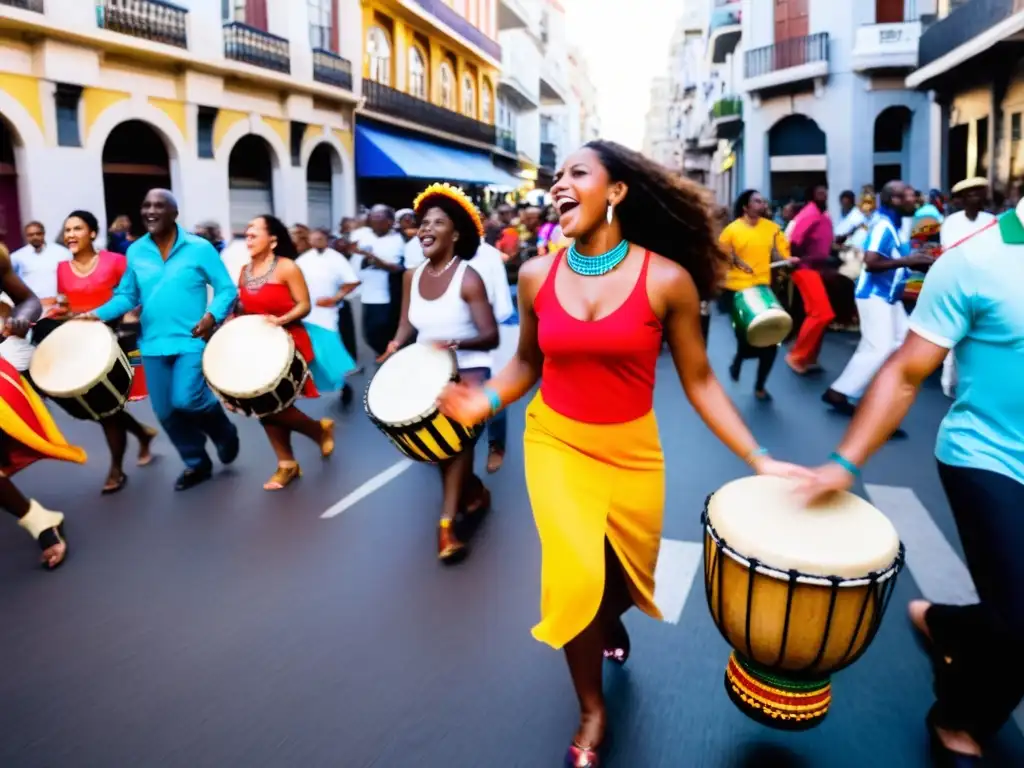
column 665, row 213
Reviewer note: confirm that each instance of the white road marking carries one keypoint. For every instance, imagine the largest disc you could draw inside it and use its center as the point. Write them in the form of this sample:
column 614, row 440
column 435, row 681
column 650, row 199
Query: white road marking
column 375, row 483
column 678, row 565
column 934, row 564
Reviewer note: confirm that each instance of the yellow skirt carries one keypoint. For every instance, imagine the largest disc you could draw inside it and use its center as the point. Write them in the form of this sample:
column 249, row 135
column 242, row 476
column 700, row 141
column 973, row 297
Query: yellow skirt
column 588, row 483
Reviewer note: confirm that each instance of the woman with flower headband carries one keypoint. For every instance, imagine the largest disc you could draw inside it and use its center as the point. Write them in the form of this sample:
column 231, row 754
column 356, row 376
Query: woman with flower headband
column 592, row 321
column 445, row 303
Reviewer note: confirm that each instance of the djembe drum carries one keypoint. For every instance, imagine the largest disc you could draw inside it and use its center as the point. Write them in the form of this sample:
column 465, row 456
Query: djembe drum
column 798, row 592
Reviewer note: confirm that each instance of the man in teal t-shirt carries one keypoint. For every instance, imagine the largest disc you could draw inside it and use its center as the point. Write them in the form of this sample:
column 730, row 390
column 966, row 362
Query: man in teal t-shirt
column 972, row 303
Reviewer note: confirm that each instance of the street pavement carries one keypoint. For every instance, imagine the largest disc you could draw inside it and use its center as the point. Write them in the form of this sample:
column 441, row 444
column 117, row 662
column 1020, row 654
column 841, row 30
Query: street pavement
column 227, row 626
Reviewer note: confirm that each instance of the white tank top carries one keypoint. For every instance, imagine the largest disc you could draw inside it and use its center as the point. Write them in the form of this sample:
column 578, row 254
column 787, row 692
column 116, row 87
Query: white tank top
column 447, row 318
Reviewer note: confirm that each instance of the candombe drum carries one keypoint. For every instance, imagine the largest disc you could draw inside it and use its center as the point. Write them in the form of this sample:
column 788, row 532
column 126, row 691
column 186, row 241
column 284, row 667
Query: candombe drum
column 759, row 316
column 401, row 401
column 254, row 367
column 81, row 366
column 798, row 592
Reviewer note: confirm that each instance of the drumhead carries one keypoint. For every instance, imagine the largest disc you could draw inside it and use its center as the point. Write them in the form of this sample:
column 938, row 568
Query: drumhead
column 247, row 356
column 74, row 357
column 760, row 518
column 769, row 328
column 406, row 387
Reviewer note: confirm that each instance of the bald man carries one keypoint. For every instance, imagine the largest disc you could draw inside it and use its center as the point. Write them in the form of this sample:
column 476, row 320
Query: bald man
column 168, row 274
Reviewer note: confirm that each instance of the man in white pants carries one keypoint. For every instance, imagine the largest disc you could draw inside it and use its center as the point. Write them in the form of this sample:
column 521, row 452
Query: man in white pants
column 883, row 320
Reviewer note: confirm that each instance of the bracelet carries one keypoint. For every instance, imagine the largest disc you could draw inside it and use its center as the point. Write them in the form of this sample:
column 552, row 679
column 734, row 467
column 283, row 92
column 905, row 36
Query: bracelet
column 494, row 399
column 845, row 463
column 759, row 451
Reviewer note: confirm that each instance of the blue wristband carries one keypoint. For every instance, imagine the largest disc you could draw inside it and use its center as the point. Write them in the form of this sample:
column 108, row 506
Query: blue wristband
column 759, row 451
column 845, row 463
column 494, row 399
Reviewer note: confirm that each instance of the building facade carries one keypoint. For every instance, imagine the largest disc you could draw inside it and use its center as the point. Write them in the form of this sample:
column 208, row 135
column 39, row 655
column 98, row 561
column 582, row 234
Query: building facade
column 584, row 96
column 239, row 108
column 824, row 98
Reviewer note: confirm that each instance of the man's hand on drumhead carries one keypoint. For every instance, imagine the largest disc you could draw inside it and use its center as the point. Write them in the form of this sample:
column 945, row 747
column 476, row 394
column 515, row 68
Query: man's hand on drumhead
column 766, row 465
column 273, row 320
column 826, row 479
column 467, row 405
column 204, row 327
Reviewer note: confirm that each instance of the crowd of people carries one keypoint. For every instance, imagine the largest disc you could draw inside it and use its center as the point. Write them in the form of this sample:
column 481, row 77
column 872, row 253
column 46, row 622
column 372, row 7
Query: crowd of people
column 626, row 260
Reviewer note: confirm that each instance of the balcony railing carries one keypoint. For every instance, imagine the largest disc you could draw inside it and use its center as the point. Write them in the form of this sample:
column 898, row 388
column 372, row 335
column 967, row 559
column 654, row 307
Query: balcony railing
column 331, row 69
column 795, row 52
column 388, row 101
column 548, row 155
column 254, row 46
column 962, row 25
column 507, row 141
column 154, row 20
column 728, row 107
column 25, row 5
column 448, row 16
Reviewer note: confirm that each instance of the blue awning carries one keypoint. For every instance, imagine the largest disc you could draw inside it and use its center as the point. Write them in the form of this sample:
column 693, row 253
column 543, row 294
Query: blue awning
column 386, row 155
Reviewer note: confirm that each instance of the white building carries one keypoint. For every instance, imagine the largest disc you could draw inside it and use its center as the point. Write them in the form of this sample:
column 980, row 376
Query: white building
column 238, row 114
column 659, row 144
column 584, row 94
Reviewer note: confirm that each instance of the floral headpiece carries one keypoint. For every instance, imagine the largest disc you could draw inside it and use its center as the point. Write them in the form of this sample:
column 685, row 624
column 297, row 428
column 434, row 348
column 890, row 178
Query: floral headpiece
column 454, row 194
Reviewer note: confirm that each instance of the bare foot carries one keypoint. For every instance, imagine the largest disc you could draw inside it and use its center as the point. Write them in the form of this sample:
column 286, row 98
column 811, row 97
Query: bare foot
column 145, row 456
column 495, row 459
column 54, row 556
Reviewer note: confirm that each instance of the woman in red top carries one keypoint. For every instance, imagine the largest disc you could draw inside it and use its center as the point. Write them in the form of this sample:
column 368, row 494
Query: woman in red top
column 86, row 282
column 272, row 285
column 592, row 319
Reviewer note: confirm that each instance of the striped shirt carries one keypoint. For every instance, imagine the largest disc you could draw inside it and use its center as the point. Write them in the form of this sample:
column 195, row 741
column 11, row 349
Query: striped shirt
column 883, row 239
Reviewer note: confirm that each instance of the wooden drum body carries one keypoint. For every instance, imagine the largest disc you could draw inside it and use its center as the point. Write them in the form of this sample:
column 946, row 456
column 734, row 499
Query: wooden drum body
column 799, row 593
column 81, row 367
column 759, row 316
column 254, row 367
column 401, row 401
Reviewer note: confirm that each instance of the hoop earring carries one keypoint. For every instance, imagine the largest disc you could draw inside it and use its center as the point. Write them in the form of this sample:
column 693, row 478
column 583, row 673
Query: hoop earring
column 611, row 212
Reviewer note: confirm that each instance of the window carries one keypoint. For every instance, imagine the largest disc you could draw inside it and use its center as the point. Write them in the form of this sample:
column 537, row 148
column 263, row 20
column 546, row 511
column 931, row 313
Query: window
column 417, row 74
column 468, row 96
column 233, row 10
column 486, row 113
column 66, row 98
column 447, row 86
column 321, row 24
column 379, row 51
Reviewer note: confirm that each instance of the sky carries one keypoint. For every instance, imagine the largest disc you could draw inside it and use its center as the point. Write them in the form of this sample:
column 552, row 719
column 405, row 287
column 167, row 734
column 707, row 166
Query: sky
column 626, row 44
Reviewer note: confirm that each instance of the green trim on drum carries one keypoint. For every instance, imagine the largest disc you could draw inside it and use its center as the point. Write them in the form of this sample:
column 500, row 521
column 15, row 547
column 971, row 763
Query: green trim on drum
column 759, row 316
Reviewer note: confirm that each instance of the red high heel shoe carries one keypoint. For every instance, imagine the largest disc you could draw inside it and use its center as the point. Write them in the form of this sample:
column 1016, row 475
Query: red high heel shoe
column 582, row 757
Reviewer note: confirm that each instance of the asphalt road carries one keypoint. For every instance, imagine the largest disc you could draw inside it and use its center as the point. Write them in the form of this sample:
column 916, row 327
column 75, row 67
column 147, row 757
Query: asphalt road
column 227, row 626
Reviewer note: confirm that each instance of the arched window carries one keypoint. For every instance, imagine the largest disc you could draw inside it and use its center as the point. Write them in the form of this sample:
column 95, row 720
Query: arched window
column 447, row 86
column 378, row 48
column 468, row 96
column 486, row 104
column 417, row 73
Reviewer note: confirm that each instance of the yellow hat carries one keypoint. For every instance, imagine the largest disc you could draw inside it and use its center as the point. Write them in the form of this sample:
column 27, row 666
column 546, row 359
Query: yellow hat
column 975, row 182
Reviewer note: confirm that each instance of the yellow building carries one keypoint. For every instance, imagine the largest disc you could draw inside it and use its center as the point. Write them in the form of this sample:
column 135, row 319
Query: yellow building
column 430, row 70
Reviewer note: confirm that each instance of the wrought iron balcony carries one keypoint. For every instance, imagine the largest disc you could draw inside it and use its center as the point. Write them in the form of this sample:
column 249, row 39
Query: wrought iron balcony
column 507, row 141
column 448, row 16
column 787, row 62
column 331, row 69
column 25, row 5
column 964, row 24
column 388, row 101
column 548, row 155
column 154, row 20
column 254, row 46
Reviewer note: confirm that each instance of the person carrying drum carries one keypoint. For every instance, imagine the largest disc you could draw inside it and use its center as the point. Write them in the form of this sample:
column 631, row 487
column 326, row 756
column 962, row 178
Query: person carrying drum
column 27, row 431
column 445, row 303
column 753, row 242
column 272, row 285
column 592, row 322
column 168, row 274
column 970, row 306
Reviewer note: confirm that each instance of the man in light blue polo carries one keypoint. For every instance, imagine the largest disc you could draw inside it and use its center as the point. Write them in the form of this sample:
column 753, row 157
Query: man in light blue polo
column 168, row 274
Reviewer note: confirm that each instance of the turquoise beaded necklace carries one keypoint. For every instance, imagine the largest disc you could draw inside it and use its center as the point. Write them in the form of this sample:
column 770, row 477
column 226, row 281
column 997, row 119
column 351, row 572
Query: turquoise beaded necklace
column 602, row 264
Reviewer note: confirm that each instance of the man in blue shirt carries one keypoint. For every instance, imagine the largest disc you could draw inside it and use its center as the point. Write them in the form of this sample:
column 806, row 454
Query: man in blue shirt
column 883, row 321
column 970, row 304
column 168, row 274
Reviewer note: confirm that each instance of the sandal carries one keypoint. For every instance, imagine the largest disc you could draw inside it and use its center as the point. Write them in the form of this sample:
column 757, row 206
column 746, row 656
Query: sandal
column 449, row 548
column 47, row 528
column 495, row 460
column 582, row 757
column 116, row 486
column 285, row 474
column 327, row 438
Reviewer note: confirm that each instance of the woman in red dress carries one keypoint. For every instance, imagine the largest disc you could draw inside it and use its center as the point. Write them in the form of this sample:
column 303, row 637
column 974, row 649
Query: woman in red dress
column 272, row 285
column 85, row 283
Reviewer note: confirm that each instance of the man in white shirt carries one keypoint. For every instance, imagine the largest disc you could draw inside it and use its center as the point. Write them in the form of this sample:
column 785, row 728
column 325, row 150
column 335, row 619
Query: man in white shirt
column 36, row 265
column 851, row 226
column 377, row 255
column 972, row 194
column 330, row 279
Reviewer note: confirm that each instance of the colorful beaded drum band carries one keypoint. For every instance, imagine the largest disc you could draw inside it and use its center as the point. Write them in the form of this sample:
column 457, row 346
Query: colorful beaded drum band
column 779, row 702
